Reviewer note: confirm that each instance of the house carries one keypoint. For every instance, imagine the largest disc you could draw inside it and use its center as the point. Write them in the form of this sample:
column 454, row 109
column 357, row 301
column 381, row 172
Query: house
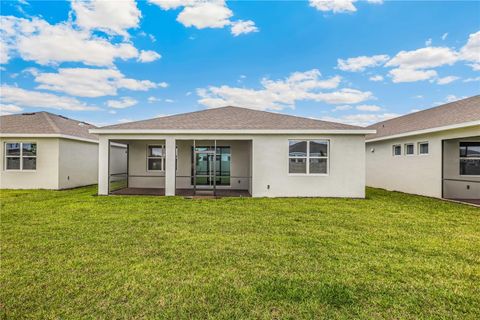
column 434, row 152
column 41, row 150
column 236, row 151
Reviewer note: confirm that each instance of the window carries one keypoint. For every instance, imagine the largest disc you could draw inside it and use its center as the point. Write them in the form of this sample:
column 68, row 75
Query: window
column 397, row 150
column 470, row 158
column 422, row 148
column 20, row 156
column 409, row 150
column 308, row 157
column 156, row 158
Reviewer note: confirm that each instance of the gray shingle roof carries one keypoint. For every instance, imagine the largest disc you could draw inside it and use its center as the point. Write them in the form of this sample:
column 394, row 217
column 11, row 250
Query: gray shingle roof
column 45, row 123
column 232, row 118
column 457, row 112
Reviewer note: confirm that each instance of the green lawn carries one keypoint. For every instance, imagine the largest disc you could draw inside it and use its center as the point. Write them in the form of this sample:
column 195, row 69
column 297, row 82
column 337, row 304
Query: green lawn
column 71, row 254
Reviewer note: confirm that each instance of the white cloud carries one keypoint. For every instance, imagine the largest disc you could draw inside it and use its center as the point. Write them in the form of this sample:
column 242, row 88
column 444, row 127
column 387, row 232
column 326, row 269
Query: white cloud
column 37, row 40
column 88, row 82
column 428, row 43
column 361, row 63
column 361, row 119
column 471, row 51
column 123, row 103
column 368, row 107
column 342, row 108
column 112, row 17
column 169, row 100
column 279, row 94
column 206, row 14
column 153, row 99
column 411, row 75
column 28, row 98
column 444, row 36
column 242, row 27
column 429, row 57
column 148, row 56
column 447, row 80
column 163, row 84
column 376, row 78
column 472, row 79
column 337, row 6
column 6, row 109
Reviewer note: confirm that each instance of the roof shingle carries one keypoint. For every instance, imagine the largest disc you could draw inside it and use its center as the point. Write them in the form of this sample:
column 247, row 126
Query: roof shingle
column 461, row 111
column 232, row 118
column 45, row 123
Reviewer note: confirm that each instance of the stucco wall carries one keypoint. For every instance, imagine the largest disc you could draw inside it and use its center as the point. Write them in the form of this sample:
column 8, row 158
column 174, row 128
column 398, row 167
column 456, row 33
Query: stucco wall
column 140, row 177
column 417, row 174
column 346, row 177
column 46, row 174
column 78, row 165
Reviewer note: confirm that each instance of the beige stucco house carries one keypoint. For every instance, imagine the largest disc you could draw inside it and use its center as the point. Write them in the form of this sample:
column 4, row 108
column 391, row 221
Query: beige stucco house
column 235, row 151
column 434, row 152
column 41, row 150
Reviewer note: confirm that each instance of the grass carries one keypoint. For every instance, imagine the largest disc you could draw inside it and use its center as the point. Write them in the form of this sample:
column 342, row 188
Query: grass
column 70, row 254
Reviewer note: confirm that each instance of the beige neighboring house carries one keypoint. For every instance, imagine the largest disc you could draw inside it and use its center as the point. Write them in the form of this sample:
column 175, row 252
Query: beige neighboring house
column 41, row 150
column 434, row 152
column 236, row 151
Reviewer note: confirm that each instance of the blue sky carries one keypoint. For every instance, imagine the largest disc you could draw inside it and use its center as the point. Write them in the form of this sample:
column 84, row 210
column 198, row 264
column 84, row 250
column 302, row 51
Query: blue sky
column 356, row 62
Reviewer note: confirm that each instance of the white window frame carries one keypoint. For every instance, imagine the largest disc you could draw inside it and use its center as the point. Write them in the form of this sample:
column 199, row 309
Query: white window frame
column 405, row 149
column 419, row 149
column 162, row 164
column 308, row 157
column 466, row 158
column 19, row 156
column 393, row 150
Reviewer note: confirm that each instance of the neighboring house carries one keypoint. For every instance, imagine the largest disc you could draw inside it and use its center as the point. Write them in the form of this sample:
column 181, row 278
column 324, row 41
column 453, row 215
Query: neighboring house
column 233, row 150
column 41, row 150
column 434, row 152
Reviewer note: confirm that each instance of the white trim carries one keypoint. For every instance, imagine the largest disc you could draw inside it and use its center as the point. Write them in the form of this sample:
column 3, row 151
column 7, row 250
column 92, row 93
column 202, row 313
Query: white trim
column 393, row 150
column 419, row 149
column 162, row 157
column 20, row 156
column 45, row 135
column 233, row 132
column 423, row 131
column 405, row 149
column 307, row 158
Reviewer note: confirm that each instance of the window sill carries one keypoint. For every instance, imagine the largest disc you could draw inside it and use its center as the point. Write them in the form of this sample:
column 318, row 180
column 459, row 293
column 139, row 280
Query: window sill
column 308, row 174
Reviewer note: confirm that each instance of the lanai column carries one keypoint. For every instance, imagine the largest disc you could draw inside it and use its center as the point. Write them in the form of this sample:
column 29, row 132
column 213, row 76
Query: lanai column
column 170, row 166
column 103, row 165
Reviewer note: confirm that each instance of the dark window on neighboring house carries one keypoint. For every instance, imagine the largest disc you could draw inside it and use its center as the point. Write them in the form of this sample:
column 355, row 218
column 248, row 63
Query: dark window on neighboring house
column 470, row 158
column 397, row 150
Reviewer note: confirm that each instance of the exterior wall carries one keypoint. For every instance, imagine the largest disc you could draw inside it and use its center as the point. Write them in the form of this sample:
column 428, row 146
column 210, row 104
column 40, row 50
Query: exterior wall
column 46, row 174
column 417, row 174
column 78, row 163
column 456, row 186
column 269, row 163
column 346, row 177
column 140, row 177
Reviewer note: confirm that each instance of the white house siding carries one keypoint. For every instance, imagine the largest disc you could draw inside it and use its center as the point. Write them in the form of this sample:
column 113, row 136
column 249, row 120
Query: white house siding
column 417, row 174
column 78, row 165
column 46, row 174
column 346, row 177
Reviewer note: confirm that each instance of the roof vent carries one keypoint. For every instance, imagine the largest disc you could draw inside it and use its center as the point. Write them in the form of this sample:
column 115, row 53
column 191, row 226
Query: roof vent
column 28, row 114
